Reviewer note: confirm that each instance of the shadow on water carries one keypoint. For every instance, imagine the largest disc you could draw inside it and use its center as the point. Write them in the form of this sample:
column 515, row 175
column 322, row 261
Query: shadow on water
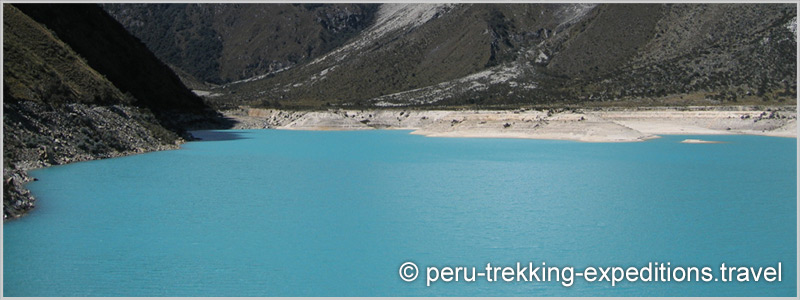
column 213, row 128
column 223, row 122
column 217, row 135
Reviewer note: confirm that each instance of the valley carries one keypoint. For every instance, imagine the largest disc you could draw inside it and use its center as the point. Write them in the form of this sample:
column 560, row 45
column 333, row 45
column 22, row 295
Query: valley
column 84, row 82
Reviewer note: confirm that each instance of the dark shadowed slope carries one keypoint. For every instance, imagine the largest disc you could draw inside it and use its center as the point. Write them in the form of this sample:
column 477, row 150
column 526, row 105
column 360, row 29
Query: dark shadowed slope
column 121, row 57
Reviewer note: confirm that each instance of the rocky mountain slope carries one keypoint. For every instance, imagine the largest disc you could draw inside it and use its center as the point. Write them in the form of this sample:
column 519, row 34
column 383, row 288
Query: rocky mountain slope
column 511, row 54
column 77, row 86
column 218, row 43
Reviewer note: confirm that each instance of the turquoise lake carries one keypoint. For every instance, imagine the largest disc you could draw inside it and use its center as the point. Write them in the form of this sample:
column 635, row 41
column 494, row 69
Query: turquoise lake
column 304, row 213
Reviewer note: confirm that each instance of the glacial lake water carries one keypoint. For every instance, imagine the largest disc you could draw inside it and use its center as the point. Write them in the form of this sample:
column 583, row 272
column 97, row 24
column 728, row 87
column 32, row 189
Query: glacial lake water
column 301, row 213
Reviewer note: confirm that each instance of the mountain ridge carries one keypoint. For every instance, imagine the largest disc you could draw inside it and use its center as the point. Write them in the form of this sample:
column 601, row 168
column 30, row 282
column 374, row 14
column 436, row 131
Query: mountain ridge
column 521, row 54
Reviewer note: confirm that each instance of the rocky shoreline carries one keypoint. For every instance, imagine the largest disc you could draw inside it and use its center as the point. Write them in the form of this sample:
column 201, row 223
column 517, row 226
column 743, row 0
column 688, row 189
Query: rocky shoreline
column 38, row 135
column 78, row 87
column 585, row 125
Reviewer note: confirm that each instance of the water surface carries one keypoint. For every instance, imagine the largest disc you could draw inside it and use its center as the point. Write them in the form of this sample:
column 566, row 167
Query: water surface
column 302, row 213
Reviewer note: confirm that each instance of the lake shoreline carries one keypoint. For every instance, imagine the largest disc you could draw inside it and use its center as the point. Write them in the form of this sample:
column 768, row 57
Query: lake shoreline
column 584, row 125
column 601, row 125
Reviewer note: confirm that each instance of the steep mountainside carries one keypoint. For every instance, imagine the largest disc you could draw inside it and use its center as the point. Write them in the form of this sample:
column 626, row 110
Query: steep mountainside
column 121, row 57
column 82, row 88
column 500, row 54
column 220, row 43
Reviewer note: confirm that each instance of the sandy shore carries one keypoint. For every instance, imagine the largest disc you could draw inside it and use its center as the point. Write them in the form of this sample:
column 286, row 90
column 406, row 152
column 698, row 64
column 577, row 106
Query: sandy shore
column 697, row 141
column 600, row 125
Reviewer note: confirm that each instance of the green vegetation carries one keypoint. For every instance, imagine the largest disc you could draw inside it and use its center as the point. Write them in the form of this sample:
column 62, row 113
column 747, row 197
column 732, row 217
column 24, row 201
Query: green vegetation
column 39, row 67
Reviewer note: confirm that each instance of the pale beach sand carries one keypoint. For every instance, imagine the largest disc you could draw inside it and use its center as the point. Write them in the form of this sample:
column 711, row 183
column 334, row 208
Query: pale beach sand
column 602, row 125
column 696, row 141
